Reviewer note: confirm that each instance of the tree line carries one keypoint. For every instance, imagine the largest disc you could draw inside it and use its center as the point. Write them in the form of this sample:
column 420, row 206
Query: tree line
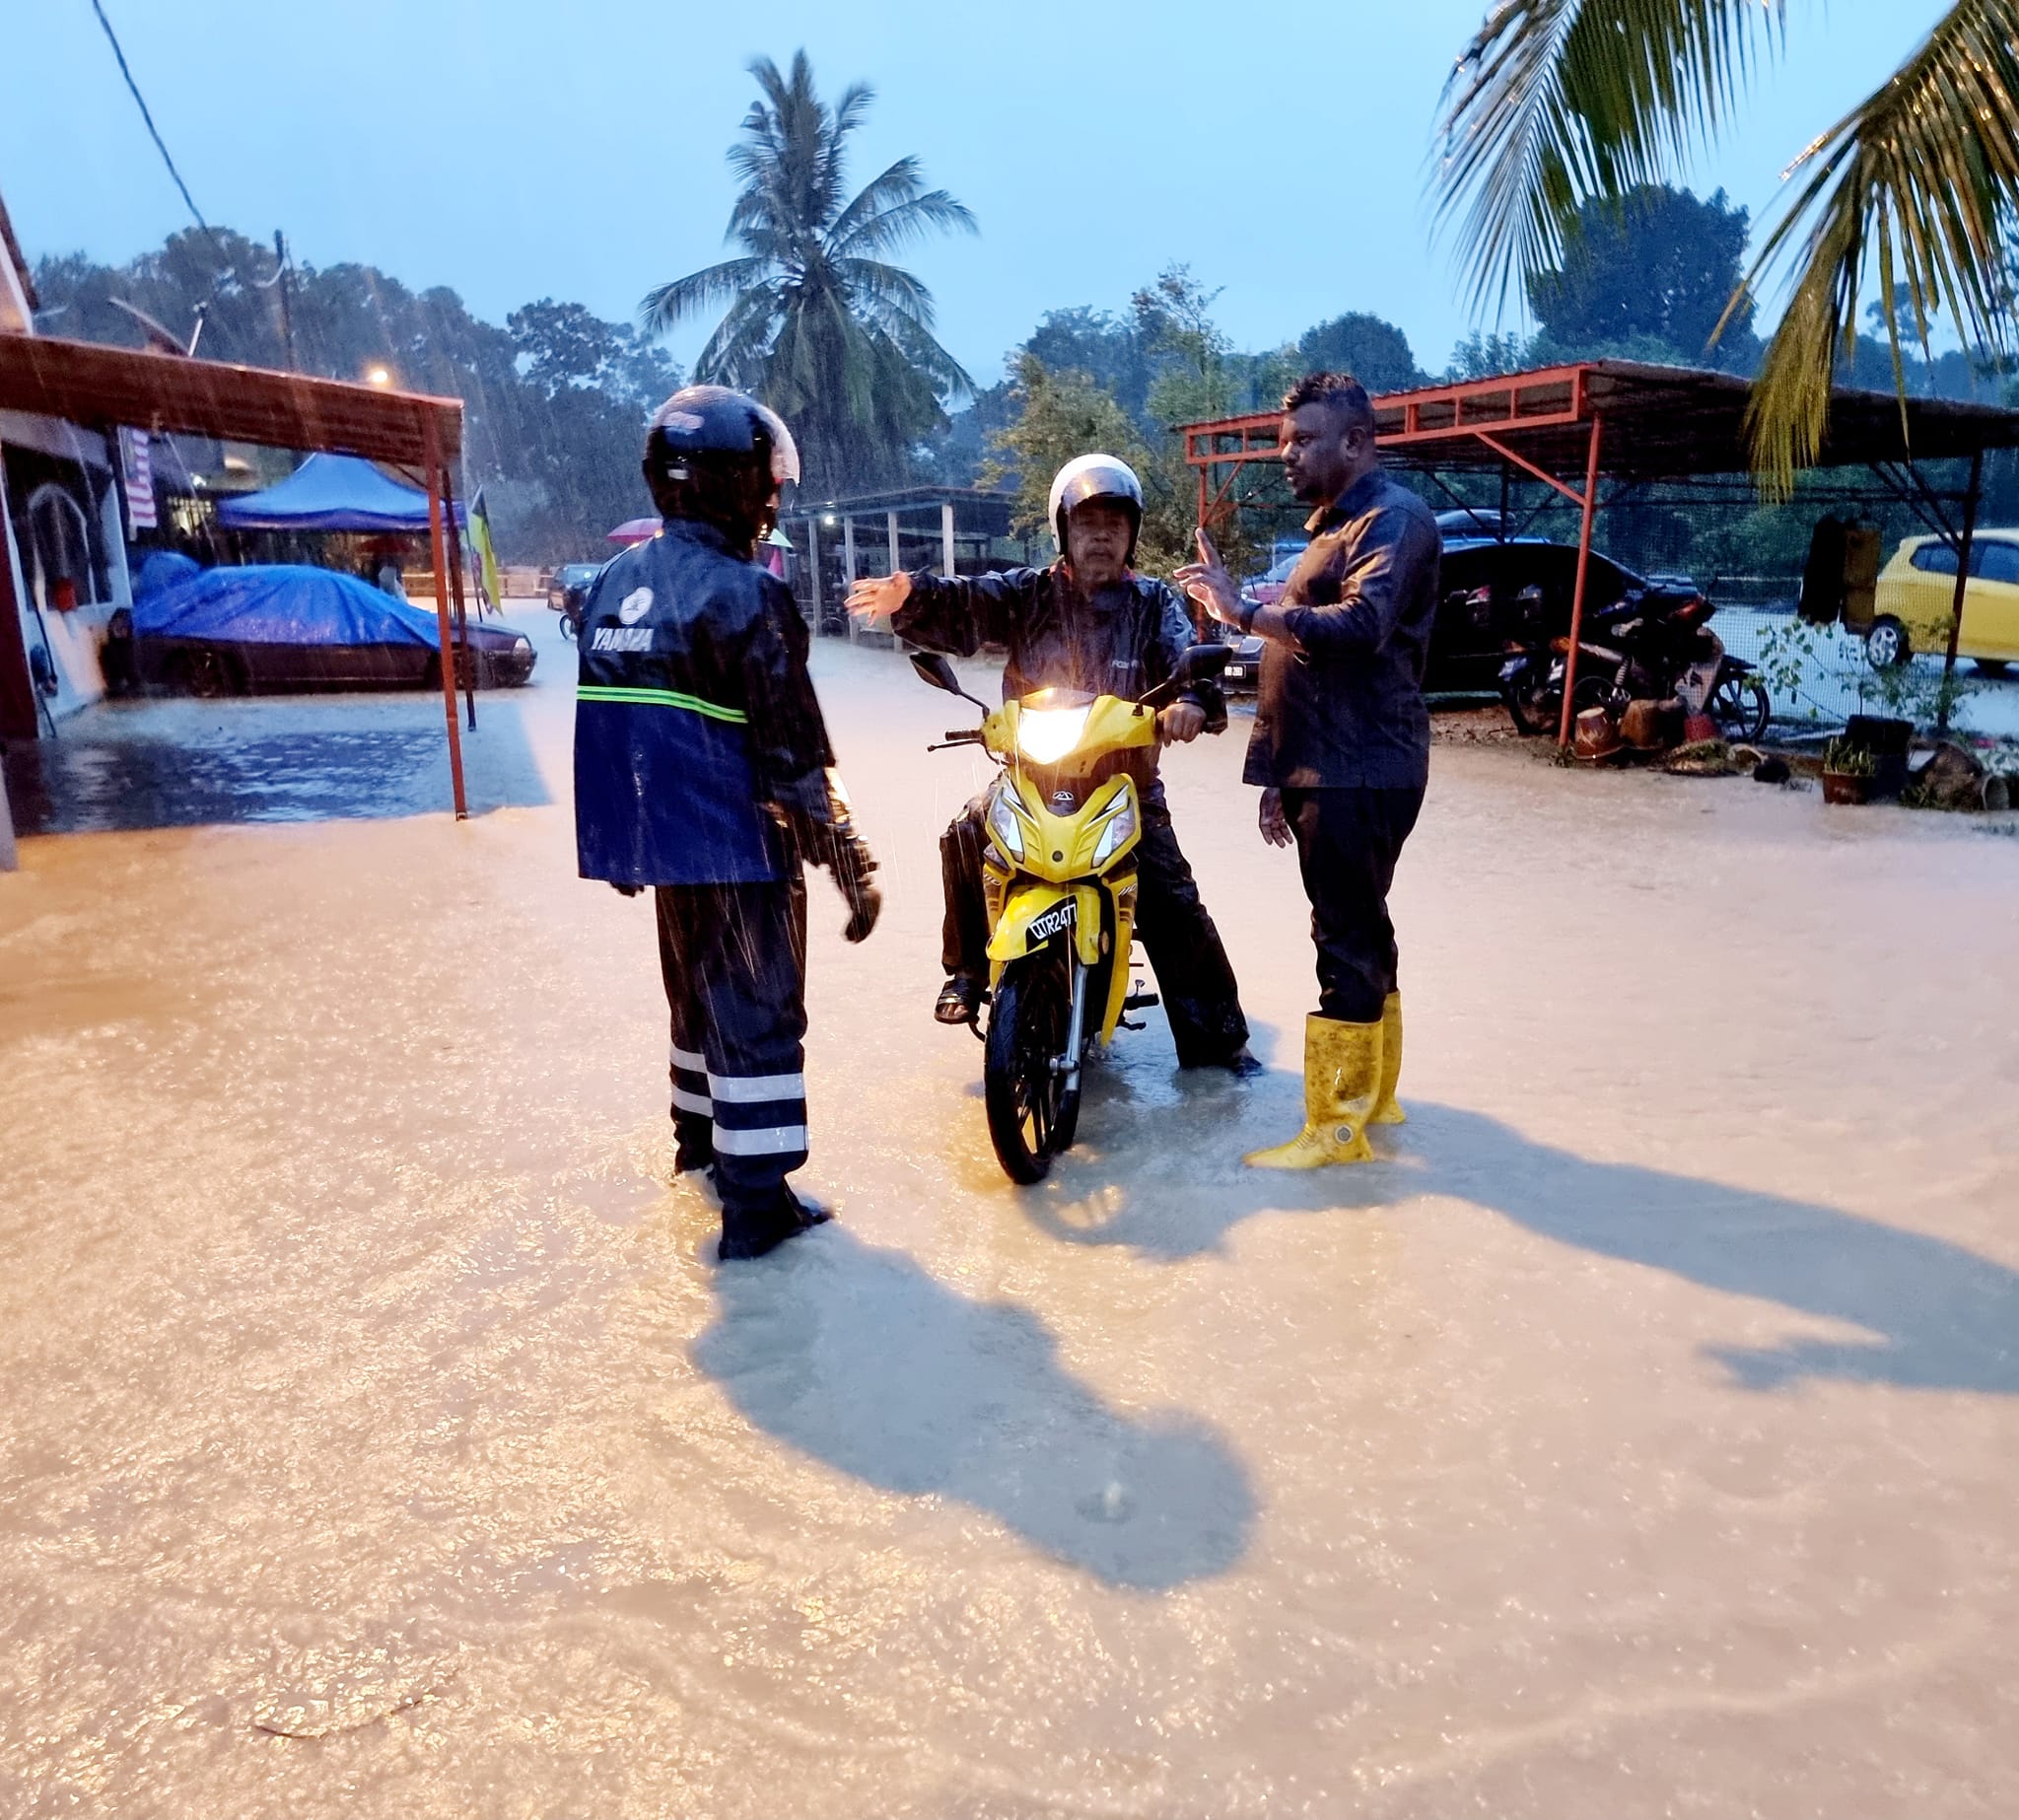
column 815, row 314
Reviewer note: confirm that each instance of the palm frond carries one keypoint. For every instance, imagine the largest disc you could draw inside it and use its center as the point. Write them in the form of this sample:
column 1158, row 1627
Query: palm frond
column 1557, row 102
column 664, row 306
column 878, row 288
column 886, row 226
column 734, row 354
column 1920, row 182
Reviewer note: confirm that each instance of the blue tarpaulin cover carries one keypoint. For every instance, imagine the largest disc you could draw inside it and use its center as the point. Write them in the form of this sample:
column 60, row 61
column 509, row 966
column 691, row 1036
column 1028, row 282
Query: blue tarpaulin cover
column 331, row 491
column 281, row 603
column 163, row 568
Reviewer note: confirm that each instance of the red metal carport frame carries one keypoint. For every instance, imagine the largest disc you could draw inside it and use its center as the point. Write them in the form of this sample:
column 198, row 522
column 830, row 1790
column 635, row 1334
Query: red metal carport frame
column 104, row 388
column 1634, row 422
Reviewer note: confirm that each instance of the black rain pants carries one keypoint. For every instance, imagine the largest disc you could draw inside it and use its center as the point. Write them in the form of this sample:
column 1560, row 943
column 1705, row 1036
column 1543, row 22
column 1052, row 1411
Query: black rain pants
column 733, row 957
column 1348, row 843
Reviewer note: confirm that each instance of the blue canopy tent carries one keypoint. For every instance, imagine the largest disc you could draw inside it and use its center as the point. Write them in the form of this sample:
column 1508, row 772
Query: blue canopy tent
column 332, row 492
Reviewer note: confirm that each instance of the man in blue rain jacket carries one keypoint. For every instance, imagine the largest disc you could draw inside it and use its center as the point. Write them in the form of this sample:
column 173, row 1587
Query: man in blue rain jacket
column 702, row 770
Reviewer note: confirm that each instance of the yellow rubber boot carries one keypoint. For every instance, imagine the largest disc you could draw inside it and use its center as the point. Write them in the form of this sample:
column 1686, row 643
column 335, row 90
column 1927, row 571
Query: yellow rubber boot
column 1386, row 1111
column 1342, row 1075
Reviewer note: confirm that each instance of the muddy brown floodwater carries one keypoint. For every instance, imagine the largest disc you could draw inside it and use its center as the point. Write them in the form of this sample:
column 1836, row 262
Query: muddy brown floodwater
column 1637, row 1437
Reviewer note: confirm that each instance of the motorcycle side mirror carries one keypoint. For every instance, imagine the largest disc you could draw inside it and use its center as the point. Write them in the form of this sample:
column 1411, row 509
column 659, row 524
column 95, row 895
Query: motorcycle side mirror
column 934, row 667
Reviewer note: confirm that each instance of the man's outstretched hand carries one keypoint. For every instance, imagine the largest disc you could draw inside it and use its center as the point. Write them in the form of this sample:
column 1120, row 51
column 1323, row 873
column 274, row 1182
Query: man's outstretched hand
column 1208, row 583
column 1274, row 822
column 876, row 596
column 1181, row 723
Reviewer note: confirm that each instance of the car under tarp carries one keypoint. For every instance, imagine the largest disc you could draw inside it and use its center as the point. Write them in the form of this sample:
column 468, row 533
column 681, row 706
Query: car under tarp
column 281, row 603
column 332, row 492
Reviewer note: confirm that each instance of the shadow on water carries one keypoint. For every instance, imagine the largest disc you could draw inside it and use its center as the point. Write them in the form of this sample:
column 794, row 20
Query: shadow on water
column 185, row 764
column 1942, row 1317
column 858, row 1357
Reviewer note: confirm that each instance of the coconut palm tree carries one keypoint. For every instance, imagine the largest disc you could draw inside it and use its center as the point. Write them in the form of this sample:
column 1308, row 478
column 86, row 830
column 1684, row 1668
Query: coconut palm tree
column 1555, row 102
column 818, row 321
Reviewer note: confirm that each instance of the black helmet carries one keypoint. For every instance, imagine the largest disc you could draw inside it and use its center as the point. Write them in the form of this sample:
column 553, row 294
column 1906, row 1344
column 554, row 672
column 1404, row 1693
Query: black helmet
column 719, row 456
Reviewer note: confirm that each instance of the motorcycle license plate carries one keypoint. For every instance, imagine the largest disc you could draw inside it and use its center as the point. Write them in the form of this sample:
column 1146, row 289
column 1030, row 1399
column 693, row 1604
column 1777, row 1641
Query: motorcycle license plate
column 1054, row 921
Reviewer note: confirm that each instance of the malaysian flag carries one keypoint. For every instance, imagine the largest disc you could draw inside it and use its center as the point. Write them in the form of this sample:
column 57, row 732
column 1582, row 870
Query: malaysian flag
column 138, row 466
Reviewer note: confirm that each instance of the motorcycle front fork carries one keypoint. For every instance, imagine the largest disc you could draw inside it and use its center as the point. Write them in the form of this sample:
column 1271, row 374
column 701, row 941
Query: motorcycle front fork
column 1075, row 1027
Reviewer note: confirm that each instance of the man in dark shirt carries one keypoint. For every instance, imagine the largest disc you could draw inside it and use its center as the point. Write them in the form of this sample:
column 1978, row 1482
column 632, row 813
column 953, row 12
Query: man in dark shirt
column 1088, row 623
column 1341, row 743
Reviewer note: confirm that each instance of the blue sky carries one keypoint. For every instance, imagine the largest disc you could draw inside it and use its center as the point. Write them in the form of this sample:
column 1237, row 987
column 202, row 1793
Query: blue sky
column 1278, row 146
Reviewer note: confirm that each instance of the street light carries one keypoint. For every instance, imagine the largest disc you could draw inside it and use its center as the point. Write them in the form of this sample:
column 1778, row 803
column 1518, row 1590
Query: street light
column 378, row 376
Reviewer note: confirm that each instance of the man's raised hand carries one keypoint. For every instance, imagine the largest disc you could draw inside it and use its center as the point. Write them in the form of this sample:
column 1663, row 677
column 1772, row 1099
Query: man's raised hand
column 1208, row 583
column 876, row 596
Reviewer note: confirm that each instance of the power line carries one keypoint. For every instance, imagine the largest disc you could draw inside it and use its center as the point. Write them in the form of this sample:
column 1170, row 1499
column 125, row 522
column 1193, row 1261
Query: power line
column 154, row 132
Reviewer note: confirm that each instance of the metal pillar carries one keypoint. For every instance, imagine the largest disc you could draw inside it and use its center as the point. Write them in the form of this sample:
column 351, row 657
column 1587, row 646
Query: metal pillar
column 814, row 563
column 1963, row 555
column 848, row 547
column 469, row 681
column 946, row 564
column 890, row 520
column 437, row 481
column 1577, row 591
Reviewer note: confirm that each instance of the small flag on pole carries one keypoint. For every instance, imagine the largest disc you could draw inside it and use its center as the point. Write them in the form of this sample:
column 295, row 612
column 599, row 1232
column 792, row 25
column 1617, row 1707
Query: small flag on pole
column 486, row 553
column 137, row 467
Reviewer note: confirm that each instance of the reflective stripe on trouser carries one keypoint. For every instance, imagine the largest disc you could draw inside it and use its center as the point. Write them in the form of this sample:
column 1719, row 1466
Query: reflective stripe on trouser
column 733, row 960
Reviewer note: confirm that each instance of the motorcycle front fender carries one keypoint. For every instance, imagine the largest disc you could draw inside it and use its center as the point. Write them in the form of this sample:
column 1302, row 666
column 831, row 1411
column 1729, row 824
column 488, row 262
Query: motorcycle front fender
column 1031, row 917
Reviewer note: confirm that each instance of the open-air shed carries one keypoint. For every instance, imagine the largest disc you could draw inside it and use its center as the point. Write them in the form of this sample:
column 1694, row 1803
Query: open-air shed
column 109, row 388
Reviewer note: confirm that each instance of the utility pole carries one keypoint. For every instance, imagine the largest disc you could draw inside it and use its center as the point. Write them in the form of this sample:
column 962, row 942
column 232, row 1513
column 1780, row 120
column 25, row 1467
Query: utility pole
column 287, row 313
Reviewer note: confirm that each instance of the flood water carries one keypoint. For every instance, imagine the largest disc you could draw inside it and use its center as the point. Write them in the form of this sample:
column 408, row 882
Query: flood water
column 1638, row 1437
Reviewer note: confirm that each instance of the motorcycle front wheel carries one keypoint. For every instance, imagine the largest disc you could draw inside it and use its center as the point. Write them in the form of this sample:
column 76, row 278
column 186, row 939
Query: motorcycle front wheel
column 1031, row 1116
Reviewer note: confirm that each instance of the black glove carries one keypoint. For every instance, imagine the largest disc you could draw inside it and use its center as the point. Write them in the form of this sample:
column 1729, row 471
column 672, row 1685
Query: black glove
column 853, row 864
column 816, row 816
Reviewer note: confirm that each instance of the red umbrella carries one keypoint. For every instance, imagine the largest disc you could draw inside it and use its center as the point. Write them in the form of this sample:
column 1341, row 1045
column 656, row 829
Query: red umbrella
column 635, row 530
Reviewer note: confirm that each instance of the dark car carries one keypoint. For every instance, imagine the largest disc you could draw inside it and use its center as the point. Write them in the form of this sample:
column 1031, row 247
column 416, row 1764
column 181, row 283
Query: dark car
column 571, row 577
column 1493, row 595
column 281, row 626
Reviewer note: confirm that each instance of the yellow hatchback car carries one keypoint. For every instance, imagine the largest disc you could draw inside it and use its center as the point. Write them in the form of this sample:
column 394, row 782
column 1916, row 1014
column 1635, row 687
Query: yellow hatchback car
column 1916, row 594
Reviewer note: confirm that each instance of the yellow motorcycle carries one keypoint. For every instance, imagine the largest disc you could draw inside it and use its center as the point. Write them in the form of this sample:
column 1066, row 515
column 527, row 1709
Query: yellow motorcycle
column 1059, row 879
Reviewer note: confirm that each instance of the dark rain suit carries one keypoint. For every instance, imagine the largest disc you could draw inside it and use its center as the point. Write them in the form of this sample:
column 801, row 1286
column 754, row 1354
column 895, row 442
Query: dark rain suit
column 1124, row 641
column 698, row 743
column 1340, row 728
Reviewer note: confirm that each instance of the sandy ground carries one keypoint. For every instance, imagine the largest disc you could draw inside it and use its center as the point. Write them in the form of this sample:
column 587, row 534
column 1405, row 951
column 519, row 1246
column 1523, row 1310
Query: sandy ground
column 1637, row 1437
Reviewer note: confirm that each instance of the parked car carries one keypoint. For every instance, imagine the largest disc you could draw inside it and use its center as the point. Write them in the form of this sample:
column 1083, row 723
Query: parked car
column 1916, row 596
column 279, row 626
column 1493, row 595
column 570, row 576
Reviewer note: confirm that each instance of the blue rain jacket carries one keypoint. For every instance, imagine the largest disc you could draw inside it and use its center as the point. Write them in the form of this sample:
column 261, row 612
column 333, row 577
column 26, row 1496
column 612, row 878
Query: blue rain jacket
column 696, row 726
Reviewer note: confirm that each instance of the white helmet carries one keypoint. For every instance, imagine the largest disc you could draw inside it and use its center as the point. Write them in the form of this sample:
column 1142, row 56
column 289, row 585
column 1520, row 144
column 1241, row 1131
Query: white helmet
column 1096, row 476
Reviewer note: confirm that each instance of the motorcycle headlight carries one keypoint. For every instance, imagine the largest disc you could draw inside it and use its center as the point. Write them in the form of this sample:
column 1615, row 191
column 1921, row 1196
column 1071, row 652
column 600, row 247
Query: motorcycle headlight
column 1044, row 736
column 1004, row 826
column 1120, row 825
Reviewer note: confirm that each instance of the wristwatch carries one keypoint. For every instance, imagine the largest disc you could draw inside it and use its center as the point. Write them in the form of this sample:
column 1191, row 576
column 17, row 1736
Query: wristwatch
column 1246, row 621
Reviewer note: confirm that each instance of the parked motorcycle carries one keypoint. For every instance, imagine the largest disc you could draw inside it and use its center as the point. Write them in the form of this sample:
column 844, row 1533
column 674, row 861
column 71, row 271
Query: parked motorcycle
column 1059, row 879
column 1653, row 644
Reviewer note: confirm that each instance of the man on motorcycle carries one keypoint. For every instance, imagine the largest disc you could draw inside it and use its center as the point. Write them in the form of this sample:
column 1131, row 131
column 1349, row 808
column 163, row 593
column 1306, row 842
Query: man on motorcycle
column 1341, row 743
column 702, row 769
column 1088, row 623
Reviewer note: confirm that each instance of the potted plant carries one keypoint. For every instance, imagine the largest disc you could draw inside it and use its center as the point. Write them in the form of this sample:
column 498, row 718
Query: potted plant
column 1849, row 772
